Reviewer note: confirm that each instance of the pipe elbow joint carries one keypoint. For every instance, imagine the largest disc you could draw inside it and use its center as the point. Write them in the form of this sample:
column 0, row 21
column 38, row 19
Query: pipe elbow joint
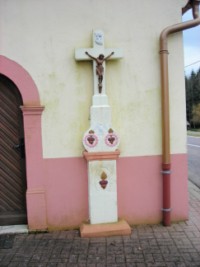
column 194, row 5
column 195, row 9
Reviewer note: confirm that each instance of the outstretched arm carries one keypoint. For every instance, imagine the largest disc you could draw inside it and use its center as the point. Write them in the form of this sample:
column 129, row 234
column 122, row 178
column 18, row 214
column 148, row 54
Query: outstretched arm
column 90, row 55
column 109, row 56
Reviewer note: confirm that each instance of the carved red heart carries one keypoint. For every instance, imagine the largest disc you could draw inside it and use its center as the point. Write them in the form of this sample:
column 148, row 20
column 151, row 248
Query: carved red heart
column 103, row 183
column 91, row 139
column 111, row 139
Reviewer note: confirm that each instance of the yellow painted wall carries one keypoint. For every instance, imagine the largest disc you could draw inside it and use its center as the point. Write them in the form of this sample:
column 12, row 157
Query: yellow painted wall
column 42, row 35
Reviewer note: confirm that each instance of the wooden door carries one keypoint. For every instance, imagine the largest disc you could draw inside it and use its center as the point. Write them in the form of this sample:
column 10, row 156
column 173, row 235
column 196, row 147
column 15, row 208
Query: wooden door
column 12, row 156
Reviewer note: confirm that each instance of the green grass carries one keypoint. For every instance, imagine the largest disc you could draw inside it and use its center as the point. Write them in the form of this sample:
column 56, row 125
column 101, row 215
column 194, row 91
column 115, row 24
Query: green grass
column 194, row 132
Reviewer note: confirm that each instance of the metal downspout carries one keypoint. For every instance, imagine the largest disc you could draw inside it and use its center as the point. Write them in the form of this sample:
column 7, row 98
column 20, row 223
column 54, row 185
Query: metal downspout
column 166, row 157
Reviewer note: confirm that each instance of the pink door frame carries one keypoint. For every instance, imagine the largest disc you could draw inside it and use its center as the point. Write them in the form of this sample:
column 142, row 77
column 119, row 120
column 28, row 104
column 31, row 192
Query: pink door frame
column 32, row 112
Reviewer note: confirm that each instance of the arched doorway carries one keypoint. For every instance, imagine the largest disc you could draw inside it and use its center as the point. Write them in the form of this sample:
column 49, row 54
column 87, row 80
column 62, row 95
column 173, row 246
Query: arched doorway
column 12, row 154
column 32, row 111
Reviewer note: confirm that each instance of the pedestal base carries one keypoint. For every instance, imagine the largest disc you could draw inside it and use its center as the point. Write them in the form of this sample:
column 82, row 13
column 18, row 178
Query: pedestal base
column 102, row 186
column 105, row 229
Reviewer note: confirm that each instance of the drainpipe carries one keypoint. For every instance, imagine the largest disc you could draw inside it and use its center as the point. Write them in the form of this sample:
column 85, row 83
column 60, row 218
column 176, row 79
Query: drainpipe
column 166, row 157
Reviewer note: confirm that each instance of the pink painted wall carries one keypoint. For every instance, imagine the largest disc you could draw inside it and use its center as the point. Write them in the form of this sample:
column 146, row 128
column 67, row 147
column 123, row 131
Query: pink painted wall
column 139, row 190
column 66, row 192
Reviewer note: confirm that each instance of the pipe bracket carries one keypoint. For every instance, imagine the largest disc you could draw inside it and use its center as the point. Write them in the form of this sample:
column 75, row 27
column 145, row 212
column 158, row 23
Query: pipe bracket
column 166, row 172
column 164, row 52
column 166, row 210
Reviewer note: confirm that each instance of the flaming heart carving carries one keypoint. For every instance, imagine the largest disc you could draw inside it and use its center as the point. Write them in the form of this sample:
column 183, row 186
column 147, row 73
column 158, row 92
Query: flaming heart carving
column 103, row 183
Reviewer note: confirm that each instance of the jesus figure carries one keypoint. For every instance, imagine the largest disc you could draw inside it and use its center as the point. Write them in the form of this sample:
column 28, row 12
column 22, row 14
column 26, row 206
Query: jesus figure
column 99, row 67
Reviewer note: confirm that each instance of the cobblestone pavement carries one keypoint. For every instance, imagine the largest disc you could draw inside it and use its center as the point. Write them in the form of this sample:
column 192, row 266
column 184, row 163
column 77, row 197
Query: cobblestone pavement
column 149, row 245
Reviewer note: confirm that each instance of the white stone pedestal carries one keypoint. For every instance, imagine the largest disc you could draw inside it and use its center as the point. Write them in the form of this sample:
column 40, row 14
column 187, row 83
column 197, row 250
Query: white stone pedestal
column 102, row 187
column 101, row 143
column 103, row 197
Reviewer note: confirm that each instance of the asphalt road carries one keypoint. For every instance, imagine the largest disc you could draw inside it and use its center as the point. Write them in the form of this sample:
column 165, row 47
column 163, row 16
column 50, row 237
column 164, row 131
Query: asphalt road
column 193, row 145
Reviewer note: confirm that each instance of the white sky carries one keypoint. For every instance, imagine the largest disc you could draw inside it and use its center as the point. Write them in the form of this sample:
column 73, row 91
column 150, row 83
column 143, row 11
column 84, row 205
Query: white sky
column 191, row 39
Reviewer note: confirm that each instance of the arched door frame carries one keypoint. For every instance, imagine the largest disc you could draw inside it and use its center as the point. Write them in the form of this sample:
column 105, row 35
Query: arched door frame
column 32, row 111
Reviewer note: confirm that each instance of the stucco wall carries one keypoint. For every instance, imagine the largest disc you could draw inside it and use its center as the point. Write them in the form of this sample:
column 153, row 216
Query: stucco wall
column 42, row 35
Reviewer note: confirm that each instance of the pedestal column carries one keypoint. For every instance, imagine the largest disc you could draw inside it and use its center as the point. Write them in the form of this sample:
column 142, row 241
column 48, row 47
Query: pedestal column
column 101, row 143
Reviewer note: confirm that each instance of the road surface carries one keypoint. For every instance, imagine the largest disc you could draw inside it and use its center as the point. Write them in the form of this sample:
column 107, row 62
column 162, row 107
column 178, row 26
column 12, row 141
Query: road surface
column 193, row 145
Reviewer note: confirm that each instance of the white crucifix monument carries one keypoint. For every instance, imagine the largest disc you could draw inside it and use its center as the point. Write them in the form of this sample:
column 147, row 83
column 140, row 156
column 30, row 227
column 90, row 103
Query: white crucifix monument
column 101, row 142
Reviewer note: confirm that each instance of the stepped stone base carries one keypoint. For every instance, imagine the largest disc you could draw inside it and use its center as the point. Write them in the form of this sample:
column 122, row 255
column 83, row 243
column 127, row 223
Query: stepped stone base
column 105, row 229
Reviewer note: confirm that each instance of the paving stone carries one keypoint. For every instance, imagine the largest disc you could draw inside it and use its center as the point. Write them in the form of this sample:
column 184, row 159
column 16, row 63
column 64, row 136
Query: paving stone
column 6, row 241
column 148, row 245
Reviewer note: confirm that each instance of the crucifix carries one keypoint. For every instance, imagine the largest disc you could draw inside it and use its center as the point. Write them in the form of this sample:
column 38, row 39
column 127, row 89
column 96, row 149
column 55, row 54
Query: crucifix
column 101, row 142
column 99, row 54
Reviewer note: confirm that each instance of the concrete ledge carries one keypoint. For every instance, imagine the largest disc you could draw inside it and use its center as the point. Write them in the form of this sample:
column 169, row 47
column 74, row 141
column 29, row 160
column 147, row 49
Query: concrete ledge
column 108, row 155
column 105, row 229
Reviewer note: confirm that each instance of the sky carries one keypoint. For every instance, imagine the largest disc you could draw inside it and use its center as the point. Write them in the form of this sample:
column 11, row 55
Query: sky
column 191, row 38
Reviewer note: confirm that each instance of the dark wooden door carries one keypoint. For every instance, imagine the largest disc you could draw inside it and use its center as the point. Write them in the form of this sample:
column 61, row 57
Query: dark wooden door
column 12, row 156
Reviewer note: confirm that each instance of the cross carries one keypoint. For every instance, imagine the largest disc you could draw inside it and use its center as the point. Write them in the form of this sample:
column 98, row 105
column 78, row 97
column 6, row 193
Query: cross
column 95, row 54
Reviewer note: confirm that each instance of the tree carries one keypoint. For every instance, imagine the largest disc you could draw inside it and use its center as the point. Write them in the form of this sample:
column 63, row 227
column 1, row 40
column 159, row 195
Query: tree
column 192, row 85
column 196, row 115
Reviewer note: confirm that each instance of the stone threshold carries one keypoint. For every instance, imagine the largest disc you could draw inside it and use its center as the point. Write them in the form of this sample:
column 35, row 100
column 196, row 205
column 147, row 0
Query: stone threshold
column 14, row 229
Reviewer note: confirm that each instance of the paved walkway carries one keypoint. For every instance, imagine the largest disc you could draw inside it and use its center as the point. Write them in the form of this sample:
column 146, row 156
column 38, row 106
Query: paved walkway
column 155, row 245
